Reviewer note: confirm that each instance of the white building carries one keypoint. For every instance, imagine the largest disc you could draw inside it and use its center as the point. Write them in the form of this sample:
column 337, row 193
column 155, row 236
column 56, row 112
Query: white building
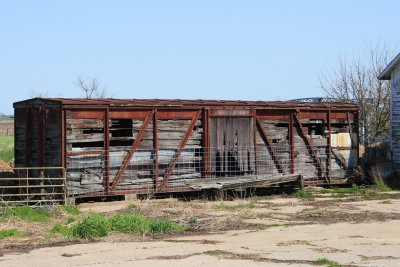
column 392, row 73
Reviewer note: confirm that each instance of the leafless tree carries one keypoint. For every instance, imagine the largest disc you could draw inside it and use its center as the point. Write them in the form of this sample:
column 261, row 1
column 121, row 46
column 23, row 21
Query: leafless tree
column 91, row 86
column 34, row 93
column 355, row 80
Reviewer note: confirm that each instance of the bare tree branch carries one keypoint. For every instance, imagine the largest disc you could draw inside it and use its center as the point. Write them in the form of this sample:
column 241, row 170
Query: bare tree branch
column 356, row 80
column 91, row 86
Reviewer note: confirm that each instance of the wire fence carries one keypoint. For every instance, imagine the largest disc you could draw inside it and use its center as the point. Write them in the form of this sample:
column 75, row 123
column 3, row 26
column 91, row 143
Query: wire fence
column 34, row 186
column 87, row 172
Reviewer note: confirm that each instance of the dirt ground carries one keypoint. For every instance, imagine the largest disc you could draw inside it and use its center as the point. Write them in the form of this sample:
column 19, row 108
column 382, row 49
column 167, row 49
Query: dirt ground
column 269, row 230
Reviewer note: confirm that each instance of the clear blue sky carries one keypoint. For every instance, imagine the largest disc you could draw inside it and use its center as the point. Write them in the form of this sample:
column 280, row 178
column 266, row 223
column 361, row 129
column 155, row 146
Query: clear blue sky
column 247, row 50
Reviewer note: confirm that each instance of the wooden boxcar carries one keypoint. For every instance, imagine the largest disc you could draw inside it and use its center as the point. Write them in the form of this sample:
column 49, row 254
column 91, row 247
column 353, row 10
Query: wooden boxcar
column 122, row 146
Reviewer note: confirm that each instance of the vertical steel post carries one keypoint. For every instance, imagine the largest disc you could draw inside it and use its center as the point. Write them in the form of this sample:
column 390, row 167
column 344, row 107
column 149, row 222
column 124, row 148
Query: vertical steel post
column 329, row 144
column 254, row 113
column 206, row 144
column 41, row 118
column 28, row 136
column 106, row 177
column 63, row 141
column 291, row 142
column 155, row 148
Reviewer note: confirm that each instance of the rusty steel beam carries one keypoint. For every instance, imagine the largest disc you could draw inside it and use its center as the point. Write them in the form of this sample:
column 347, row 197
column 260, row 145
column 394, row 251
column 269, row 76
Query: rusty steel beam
column 231, row 115
column 356, row 121
column 172, row 164
column 106, row 182
column 132, row 150
column 255, row 139
column 86, row 114
column 340, row 158
column 155, row 149
column 128, row 114
column 329, row 141
column 28, row 126
column 63, row 139
column 206, row 144
column 176, row 114
column 269, row 146
column 311, row 148
column 41, row 121
column 291, row 142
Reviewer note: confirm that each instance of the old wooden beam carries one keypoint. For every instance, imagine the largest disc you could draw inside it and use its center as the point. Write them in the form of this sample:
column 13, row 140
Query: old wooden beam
column 311, row 148
column 132, row 150
column 269, row 146
column 174, row 160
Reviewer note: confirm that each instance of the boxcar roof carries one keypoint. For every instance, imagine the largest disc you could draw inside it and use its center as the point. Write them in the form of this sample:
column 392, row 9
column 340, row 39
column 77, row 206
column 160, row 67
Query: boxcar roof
column 181, row 103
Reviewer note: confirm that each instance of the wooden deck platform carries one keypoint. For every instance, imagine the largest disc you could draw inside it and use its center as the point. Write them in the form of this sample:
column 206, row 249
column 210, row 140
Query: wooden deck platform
column 243, row 182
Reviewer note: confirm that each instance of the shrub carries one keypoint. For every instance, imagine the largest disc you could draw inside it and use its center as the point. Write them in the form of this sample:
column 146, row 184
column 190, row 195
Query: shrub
column 93, row 225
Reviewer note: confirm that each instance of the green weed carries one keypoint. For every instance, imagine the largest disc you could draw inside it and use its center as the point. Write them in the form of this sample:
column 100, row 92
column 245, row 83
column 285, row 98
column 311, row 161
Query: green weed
column 6, row 148
column 31, row 215
column 70, row 220
column 93, row 225
column 132, row 206
column 381, row 186
column 304, row 194
column 250, row 205
column 70, row 209
column 165, row 226
column 130, row 223
column 138, row 224
column 61, row 229
column 344, row 190
column 327, row 262
column 338, row 195
column 193, row 221
column 9, row 233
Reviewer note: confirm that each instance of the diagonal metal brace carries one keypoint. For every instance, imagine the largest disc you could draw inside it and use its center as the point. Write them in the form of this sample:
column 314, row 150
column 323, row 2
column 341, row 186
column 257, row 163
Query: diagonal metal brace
column 132, row 150
column 174, row 160
column 311, row 148
column 269, row 146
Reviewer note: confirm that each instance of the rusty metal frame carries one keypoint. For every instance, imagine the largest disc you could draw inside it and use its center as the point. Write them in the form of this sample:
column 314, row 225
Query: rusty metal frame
column 254, row 112
column 206, row 144
column 329, row 141
column 106, row 179
column 291, row 142
column 155, row 147
column 41, row 121
column 132, row 150
column 311, row 148
column 269, row 146
column 174, row 160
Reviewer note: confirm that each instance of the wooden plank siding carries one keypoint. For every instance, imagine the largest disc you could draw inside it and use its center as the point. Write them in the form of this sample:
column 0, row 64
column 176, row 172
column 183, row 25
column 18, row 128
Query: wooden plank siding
column 395, row 115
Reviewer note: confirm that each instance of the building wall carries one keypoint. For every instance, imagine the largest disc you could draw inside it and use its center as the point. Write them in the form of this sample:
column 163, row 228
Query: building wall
column 395, row 115
column 38, row 134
